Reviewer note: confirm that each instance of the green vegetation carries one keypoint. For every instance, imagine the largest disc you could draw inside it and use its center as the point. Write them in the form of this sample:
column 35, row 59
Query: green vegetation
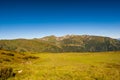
column 62, row 66
column 69, row 43
column 33, row 59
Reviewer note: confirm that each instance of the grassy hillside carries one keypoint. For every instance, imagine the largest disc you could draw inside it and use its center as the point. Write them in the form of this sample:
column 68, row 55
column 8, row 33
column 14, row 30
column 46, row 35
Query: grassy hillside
column 60, row 66
column 69, row 43
column 24, row 45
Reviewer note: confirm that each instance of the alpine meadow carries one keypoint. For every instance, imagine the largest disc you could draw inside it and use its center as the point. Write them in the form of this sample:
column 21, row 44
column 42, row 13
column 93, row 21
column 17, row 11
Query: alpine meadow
column 59, row 40
column 71, row 57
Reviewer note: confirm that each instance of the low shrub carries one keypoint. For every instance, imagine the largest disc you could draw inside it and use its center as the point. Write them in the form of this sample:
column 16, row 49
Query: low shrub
column 6, row 72
column 7, row 60
column 9, row 54
column 3, row 53
column 30, row 57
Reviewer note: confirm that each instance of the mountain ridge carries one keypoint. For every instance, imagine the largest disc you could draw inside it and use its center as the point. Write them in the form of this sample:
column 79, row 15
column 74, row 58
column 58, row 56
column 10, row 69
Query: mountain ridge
column 67, row 43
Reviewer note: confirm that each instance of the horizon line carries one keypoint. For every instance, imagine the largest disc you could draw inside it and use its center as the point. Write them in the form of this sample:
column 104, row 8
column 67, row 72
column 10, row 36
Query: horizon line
column 57, row 36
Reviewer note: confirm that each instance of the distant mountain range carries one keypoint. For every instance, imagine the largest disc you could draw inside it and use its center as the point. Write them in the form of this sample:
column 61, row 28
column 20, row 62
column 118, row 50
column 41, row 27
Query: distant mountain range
column 68, row 43
column 118, row 39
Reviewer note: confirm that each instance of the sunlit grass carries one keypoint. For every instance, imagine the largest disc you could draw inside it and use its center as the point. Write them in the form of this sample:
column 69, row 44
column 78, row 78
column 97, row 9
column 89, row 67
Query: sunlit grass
column 69, row 66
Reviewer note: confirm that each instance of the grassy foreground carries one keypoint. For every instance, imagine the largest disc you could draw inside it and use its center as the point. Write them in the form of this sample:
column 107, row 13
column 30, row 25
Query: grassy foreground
column 65, row 66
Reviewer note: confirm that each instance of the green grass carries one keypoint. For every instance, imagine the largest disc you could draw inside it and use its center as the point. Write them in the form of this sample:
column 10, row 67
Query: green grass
column 66, row 66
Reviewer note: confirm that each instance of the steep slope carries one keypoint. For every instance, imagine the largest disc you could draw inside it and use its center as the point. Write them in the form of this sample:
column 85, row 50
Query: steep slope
column 68, row 43
column 89, row 43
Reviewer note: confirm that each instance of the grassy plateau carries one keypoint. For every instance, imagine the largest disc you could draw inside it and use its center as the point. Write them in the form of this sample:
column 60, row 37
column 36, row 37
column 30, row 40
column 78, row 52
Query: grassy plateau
column 62, row 66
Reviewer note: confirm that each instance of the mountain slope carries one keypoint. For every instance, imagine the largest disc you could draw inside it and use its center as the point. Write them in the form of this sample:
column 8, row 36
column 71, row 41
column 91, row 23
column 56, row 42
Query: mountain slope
column 68, row 43
column 24, row 45
column 90, row 43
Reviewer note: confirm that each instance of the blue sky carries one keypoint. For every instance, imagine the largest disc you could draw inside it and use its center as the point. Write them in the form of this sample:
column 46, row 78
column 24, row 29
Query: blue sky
column 38, row 18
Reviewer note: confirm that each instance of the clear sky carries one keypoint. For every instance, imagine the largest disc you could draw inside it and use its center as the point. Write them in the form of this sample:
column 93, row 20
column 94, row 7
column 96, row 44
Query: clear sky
column 38, row 18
